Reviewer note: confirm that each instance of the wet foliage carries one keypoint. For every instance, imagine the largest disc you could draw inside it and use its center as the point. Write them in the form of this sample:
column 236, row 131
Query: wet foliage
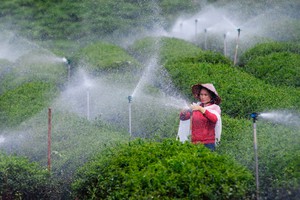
column 22, row 179
column 276, row 63
column 265, row 78
column 20, row 104
column 162, row 170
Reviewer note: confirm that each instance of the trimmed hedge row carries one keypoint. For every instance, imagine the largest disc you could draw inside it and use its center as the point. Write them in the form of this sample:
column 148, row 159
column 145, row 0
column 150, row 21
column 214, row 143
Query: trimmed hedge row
column 275, row 63
column 22, row 179
column 265, row 49
column 162, row 170
column 241, row 93
column 278, row 154
column 104, row 56
column 24, row 101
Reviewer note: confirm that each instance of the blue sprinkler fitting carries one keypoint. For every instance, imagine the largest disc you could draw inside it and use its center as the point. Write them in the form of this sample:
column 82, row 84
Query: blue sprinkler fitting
column 254, row 116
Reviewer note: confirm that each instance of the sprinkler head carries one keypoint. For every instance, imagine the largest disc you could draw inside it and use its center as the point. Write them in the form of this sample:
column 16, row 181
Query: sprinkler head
column 129, row 99
column 65, row 60
column 254, row 116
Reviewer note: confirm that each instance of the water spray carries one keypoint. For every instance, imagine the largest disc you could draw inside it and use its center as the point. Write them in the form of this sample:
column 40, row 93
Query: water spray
column 129, row 109
column 254, row 117
column 2, row 139
column 181, row 25
column 237, row 46
column 68, row 63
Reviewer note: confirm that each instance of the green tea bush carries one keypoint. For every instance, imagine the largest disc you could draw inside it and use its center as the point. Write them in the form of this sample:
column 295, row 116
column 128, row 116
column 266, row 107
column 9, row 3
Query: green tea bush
column 264, row 49
column 22, row 179
column 143, row 49
column 162, row 170
column 241, row 93
column 104, row 56
column 164, row 48
column 25, row 101
column 174, row 49
column 34, row 67
column 278, row 154
column 276, row 68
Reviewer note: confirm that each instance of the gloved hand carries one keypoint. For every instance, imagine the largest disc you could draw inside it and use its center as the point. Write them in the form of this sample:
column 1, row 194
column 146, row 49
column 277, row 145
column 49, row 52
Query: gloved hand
column 197, row 107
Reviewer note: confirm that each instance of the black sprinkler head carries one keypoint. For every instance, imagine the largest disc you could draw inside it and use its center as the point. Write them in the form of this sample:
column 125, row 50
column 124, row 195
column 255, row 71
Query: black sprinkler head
column 129, row 99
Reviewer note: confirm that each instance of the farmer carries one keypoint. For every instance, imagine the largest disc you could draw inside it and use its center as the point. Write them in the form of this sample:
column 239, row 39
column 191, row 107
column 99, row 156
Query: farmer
column 204, row 116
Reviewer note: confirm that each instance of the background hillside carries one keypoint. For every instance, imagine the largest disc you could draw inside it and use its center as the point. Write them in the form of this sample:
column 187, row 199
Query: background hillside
column 84, row 59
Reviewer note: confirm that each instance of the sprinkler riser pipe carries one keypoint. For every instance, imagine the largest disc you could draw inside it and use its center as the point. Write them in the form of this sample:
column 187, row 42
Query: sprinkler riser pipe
column 129, row 115
column 196, row 31
column 49, row 137
column 68, row 63
column 254, row 117
column 237, row 46
column 88, row 105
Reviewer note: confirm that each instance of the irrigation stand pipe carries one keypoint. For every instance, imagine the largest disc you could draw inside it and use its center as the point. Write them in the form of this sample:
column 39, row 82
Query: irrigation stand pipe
column 129, row 109
column 205, row 39
column 254, row 116
column 88, row 104
column 196, row 31
column 237, row 46
column 225, row 45
column 49, row 137
column 68, row 63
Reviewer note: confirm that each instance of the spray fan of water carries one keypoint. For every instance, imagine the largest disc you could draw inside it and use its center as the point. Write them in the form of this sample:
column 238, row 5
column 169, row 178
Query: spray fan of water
column 282, row 117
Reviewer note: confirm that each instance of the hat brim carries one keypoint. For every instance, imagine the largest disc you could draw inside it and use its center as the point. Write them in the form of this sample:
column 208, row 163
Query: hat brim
column 197, row 87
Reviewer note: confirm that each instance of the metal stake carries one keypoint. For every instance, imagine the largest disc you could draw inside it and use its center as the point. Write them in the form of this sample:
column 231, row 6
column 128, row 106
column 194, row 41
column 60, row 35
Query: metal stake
column 237, row 46
column 129, row 101
column 254, row 116
column 49, row 138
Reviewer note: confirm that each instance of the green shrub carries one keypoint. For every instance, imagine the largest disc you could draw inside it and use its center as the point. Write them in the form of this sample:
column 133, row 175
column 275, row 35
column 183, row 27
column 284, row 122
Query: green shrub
column 276, row 68
column 166, row 170
column 264, row 49
column 22, row 179
column 143, row 49
column 173, row 49
column 241, row 93
column 278, row 154
column 164, row 48
column 34, row 67
column 103, row 56
column 25, row 101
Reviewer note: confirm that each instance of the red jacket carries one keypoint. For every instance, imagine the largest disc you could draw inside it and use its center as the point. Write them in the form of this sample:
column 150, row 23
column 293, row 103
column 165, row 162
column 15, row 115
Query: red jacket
column 202, row 125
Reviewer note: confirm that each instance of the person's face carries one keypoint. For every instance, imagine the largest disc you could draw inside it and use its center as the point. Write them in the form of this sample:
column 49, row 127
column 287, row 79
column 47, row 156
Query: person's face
column 204, row 96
